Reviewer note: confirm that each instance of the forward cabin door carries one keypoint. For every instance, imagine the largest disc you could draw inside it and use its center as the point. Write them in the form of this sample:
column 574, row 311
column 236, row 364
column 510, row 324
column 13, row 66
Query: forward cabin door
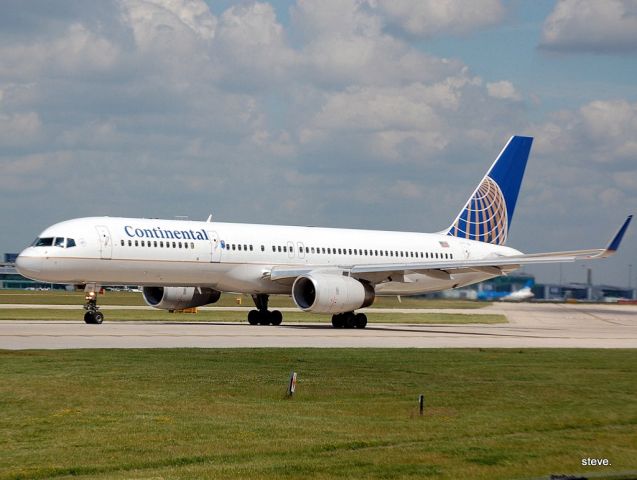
column 106, row 243
column 215, row 247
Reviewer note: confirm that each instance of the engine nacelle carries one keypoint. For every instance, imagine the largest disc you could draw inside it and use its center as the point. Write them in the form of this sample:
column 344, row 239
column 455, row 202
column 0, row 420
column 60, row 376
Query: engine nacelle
column 326, row 293
column 178, row 298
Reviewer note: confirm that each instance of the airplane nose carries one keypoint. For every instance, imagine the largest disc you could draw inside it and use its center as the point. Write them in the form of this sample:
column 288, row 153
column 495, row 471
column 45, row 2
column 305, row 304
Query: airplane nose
column 28, row 265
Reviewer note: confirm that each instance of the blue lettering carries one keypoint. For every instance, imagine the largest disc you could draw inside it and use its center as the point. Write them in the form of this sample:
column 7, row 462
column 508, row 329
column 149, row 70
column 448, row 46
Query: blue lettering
column 139, row 232
column 169, row 234
column 177, row 235
column 127, row 232
column 148, row 233
column 185, row 235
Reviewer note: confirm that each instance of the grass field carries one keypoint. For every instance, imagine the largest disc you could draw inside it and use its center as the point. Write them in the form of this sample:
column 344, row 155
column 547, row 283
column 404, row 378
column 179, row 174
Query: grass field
column 61, row 297
column 185, row 414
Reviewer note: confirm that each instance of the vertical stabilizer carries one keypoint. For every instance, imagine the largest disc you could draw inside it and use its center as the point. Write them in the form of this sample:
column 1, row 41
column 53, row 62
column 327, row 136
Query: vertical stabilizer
column 487, row 215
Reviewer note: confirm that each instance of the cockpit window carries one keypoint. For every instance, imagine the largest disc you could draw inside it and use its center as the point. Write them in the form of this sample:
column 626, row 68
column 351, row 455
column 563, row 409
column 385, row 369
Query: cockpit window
column 59, row 242
column 70, row 243
column 43, row 242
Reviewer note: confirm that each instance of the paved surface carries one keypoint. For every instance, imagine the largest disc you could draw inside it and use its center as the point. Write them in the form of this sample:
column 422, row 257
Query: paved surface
column 530, row 325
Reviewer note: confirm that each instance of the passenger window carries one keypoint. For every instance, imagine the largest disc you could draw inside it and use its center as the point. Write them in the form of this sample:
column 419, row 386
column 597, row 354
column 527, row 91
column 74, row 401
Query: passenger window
column 245, row 247
column 263, row 248
column 155, row 243
column 239, row 247
column 186, row 245
column 130, row 243
column 312, row 249
column 273, row 248
column 250, row 247
column 161, row 244
column 180, row 245
column 285, row 248
column 192, row 245
column 350, row 251
column 143, row 244
column 122, row 243
column 136, row 243
column 174, row 244
column 278, row 248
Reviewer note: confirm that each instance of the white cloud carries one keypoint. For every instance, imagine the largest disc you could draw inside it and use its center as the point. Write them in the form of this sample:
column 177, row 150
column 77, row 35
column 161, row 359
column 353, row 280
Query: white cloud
column 503, row 90
column 608, row 26
column 440, row 17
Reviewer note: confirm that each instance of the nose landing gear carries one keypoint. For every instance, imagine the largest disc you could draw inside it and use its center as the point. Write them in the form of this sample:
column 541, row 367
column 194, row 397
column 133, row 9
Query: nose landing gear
column 263, row 316
column 92, row 315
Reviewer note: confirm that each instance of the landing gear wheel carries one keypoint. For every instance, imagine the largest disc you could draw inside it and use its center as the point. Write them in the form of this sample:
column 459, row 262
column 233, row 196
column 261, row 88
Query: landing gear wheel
column 89, row 317
column 253, row 317
column 264, row 317
column 98, row 317
column 349, row 320
column 338, row 321
column 360, row 319
column 276, row 317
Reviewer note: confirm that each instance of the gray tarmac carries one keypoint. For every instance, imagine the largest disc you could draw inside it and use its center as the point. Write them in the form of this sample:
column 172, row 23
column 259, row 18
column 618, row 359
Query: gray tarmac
column 531, row 325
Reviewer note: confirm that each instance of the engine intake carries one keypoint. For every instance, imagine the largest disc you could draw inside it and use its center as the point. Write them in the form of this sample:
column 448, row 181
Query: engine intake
column 330, row 293
column 178, row 298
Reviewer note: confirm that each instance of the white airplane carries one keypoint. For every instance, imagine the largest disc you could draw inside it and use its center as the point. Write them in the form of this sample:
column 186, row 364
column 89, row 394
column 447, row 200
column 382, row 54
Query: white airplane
column 181, row 264
column 524, row 293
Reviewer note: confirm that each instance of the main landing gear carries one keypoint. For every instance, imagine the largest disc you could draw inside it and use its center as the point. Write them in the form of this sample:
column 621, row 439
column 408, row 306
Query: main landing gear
column 92, row 315
column 263, row 316
column 349, row 320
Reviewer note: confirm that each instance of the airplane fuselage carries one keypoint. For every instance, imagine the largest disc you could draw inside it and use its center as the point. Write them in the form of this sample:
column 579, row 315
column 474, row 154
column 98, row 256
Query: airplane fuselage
column 234, row 257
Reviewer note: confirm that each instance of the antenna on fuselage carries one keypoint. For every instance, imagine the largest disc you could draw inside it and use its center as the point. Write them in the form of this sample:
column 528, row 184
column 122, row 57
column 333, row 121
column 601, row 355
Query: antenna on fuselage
column 209, row 218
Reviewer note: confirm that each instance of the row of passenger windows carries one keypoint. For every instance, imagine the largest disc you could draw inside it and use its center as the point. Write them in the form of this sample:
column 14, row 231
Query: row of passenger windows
column 53, row 241
column 157, row 244
column 290, row 249
column 344, row 251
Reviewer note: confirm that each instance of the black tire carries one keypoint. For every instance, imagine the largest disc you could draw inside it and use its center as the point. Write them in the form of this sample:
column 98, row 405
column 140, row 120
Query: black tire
column 337, row 321
column 360, row 319
column 98, row 317
column 264, row 317
column 350, row 322
column 89, row 317
column 276, row 317
column 253, row 317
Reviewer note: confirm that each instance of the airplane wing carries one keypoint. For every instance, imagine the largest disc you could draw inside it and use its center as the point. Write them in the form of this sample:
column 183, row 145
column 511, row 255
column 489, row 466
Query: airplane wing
column 495, row 265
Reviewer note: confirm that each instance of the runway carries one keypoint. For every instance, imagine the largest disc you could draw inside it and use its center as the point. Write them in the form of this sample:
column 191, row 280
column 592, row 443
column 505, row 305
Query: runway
column 531, row 325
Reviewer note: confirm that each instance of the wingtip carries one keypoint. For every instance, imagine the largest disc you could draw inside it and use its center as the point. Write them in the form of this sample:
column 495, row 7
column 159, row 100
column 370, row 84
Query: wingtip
column 613, row 246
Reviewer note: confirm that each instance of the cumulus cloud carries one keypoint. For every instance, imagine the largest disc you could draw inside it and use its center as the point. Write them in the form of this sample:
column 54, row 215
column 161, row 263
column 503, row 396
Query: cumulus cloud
column 591, row 26
column 601, row 132
column 426, row 18
column 503, row 90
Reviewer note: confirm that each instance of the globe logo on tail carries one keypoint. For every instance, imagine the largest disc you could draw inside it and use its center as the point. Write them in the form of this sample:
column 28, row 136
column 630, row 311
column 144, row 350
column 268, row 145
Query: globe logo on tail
column 484, row 218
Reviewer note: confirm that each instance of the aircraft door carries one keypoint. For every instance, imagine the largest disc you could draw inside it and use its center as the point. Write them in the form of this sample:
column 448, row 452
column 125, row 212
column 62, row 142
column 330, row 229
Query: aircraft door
column 106, row 243
column 215, row 247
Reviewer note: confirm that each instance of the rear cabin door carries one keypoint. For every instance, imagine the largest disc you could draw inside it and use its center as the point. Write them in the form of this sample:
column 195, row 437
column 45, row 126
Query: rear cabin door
column 215, row 246
column 106, row 243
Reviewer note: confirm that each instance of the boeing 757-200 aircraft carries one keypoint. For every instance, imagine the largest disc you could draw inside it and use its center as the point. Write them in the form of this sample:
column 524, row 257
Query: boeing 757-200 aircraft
column 181, row 264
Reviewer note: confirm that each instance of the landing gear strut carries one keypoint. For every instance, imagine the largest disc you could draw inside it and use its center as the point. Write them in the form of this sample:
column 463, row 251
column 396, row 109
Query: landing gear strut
column 263, row 316
column 92, row 315
column 349, row 320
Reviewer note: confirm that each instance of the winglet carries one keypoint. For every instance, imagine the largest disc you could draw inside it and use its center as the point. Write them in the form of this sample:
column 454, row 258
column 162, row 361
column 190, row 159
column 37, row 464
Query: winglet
column 614, row 243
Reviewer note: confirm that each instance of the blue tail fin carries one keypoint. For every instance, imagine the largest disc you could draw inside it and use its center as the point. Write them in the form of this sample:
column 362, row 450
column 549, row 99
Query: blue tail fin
column 487, row 214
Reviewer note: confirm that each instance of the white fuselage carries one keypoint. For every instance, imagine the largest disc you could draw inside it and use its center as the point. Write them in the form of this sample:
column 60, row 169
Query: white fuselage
column 234, row 257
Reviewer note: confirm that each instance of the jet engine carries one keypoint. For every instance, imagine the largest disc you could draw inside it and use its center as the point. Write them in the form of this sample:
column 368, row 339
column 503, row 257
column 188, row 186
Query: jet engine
column 329, row 293
column 178, row 298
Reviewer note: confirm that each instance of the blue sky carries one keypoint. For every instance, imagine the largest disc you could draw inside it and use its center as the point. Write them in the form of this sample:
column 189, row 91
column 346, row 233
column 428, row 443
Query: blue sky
column 357, row 113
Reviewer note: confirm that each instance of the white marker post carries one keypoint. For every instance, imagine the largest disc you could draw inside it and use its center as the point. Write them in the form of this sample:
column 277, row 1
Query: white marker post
column 292, row 385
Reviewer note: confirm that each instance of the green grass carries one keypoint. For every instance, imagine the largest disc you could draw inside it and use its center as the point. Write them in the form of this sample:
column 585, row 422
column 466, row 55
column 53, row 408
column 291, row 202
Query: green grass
column 225, row 316
column 194, row 413
column 60, row 297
